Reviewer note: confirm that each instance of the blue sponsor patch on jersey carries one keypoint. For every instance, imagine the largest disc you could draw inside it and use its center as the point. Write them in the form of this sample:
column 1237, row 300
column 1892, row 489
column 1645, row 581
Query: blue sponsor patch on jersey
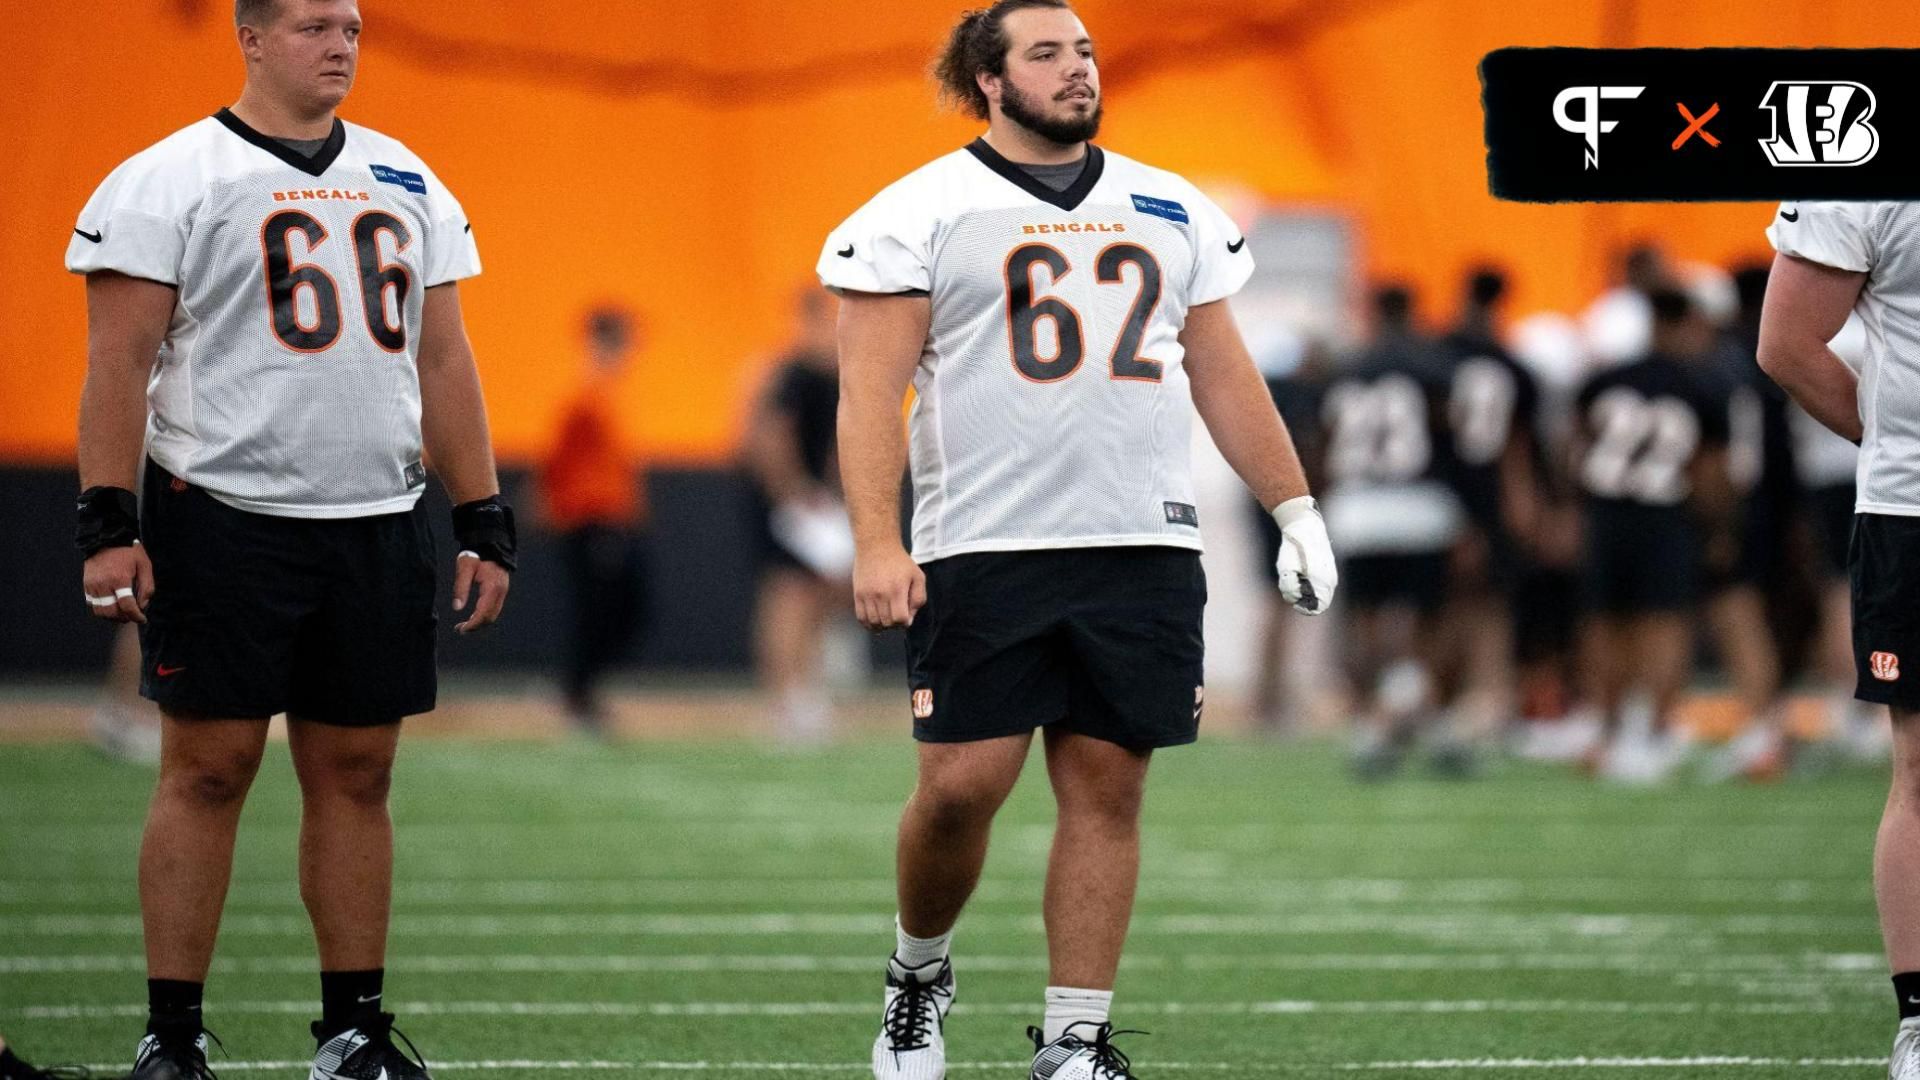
column 412, row 181
column 1165, row 208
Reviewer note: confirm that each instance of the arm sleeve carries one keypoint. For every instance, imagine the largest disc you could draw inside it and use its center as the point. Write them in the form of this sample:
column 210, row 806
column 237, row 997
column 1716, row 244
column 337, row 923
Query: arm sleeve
column 1836, row 234
column 136, row 224
column 885, row 247
column 451, row 251
column 1219, row 270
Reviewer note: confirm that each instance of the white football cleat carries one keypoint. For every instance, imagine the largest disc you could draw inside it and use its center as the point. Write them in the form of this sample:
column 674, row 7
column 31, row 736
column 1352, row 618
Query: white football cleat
column 1085, row 1051
column 912, row 1044
column 1905, row 1064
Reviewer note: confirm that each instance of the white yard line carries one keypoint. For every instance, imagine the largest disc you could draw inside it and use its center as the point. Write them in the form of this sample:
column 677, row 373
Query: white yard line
column 1241, row 1067
column 722, row 1009
column 1458, row 925
column 1271, row 892
column 1844, row 966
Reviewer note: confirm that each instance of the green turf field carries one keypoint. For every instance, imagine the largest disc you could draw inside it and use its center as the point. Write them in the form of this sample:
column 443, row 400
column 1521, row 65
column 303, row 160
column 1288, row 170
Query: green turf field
column 723, row 910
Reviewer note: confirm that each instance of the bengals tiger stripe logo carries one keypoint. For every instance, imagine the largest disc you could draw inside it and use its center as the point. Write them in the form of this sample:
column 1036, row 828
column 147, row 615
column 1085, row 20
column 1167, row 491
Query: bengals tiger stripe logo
column 1885, row 666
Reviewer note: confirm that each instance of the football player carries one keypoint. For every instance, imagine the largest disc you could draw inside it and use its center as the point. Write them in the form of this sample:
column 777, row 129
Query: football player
column 1391, row 507
column 1061, row 312
column 806, row 546
column 273, row 316
column 1493, row 408
column 1650, row 461
column 1837, row 258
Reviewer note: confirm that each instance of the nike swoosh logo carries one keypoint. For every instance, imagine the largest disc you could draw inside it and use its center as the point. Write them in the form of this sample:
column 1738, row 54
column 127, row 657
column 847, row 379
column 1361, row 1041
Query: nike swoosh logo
column 1790, row 215
column 1234, row 248
column 846, row 254
column 163, row 670
column 367, row 1000
column 96, row 237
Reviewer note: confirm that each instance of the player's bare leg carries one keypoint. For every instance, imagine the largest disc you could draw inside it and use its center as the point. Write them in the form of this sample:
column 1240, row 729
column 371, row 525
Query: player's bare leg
column 1657, row 660
column 1739, row 620
column 186, row 854
column 1663, row 657
column 791, row 617
column 346, row 838
column 1896, row 850
column 1094, row 868
column 944, row 830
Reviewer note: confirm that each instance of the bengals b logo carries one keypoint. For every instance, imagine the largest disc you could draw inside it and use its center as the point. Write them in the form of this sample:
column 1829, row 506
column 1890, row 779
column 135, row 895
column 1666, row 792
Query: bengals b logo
column 1820, row 123
column 1885, row 666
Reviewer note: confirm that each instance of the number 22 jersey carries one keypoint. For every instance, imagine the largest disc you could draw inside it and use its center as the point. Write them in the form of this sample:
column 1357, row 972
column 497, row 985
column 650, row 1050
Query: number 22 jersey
column 286, row 383
column 1052, row 409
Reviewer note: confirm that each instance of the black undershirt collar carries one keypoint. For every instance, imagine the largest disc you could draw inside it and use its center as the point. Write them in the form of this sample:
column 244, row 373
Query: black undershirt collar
column 1072, row 197
column 313, row 165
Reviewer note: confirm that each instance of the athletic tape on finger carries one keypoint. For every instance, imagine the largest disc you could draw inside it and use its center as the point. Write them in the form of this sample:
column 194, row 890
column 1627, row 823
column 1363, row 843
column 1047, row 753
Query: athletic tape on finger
column 101, row 601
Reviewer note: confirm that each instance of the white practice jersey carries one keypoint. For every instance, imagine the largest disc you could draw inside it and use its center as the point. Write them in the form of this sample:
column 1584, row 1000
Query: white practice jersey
column 286, row 384
column 1052, row 409
column 1881, row 239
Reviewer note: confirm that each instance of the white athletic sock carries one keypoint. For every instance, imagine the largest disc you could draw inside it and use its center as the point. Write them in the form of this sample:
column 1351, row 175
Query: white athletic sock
column 914, row 952
column 1067, row 1006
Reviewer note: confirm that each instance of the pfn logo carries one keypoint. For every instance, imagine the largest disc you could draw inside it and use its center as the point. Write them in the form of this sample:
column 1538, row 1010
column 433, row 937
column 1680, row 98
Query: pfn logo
column 1825, row 123
column 1589, row 124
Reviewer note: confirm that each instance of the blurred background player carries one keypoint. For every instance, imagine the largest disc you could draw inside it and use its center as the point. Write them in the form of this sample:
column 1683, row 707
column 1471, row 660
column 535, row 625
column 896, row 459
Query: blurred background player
column 286, row 363
column 125, row 725
column 1492, row 416
column 593, row 490
column 1746, row 576
column 1062, row 314
column 1395, row 521
column 1276, row 703
column 1651, row 460
column 1835, row 259
column 807, row 545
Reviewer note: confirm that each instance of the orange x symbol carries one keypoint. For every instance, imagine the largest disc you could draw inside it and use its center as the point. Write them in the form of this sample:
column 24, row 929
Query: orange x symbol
column 1697, row 125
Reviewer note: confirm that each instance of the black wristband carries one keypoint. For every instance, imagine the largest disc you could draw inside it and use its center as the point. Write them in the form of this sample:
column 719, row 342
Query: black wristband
column 485, row 527
column 108, row 517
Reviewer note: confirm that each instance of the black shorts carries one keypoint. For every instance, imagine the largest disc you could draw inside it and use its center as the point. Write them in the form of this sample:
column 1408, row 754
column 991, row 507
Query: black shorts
column 328, row 619
column 1641, row 560
column 1831, row 508
column 1884, row 563
column 1102, row 641
column 1417, row 580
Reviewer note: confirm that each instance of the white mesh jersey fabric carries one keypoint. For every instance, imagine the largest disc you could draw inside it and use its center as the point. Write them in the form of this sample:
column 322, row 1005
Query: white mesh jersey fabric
column 313, row 411
column 1883, row 240
column 1035, row 425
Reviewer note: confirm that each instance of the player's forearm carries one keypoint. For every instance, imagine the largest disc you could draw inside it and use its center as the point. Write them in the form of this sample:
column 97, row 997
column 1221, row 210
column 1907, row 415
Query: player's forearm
column 113, row 422
column 453, row 423
column 873, row 456
column 1813, row 375
column 1234, row 404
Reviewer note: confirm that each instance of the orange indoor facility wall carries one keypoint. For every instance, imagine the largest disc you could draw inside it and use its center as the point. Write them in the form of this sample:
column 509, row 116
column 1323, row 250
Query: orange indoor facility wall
column 687, row 159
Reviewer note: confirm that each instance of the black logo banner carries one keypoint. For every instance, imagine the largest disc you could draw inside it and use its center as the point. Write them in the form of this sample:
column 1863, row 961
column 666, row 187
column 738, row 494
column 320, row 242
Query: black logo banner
column 1661, row 125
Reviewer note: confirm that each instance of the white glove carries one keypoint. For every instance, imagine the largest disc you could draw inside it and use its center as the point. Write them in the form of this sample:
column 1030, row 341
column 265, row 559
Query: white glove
column 818, row 534
column 1307, row 574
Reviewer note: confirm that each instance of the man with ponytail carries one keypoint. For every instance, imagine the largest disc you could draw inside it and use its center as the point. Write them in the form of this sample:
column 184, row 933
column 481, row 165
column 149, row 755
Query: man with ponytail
column 1061, row 312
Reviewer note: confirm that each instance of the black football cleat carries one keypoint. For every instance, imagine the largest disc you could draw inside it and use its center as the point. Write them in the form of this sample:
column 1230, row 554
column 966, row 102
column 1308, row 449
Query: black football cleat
column 172, row 1058
column 365, row 1051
